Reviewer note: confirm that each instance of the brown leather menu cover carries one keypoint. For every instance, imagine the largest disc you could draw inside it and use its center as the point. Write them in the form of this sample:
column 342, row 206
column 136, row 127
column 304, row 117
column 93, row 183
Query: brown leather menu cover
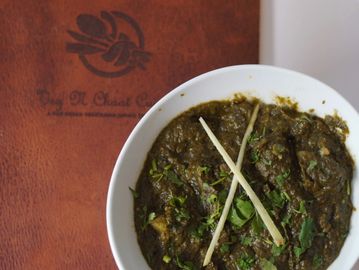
column 75, row 77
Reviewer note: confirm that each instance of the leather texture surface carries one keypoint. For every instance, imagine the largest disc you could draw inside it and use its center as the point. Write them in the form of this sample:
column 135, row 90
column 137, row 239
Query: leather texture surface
column 67, row 109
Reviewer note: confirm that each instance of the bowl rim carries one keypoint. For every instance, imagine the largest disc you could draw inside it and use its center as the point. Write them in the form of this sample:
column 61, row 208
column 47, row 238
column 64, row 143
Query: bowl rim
column 157, row 105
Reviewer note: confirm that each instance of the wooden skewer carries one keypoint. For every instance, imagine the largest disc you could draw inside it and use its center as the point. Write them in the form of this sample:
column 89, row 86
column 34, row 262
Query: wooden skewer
column 232, row 190
column 267, row 220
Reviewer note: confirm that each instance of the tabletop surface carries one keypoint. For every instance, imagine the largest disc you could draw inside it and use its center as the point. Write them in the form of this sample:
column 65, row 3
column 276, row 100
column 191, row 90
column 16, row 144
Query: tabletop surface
column 76, row 76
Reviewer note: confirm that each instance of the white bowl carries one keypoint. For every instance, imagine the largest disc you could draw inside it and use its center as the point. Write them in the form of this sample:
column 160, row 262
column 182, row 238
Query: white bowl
column 264, row 82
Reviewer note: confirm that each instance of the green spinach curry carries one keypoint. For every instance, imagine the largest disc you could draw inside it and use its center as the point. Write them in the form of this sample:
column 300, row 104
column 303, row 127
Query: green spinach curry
column 296, row 163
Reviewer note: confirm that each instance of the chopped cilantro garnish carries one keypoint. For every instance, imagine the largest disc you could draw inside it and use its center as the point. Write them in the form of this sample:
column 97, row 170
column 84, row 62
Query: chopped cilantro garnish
column 285, row 194
column 224, row 248
column 277, row 199
column 166, row 259
column 172, row 176
column 317, row 261
column 241, row 212
column 209, row 221
column 267, row 265
column 245, row 207
column 255, row 156
column 312, row 165
column 185, row 265
column 154, row 166
column 223, row 175
column 222, row 196
column 277, row 250
column 181, row 213
column 306, row 236
column 167, row 167
column 146, row 219
column 245, row 262
column 158, row 175
column 246, row 240
column 307, row 233
column 134, row 193
column 267, row 162
column 177, row 201
column 199, row 231
column 286, row 219
column 298, row 251
column 203, row 169
column 151, row 216
column 234, row 218
column 282, row 177
column 257, row 224
column 302, row 209
column 220, row 180
column 254, row 136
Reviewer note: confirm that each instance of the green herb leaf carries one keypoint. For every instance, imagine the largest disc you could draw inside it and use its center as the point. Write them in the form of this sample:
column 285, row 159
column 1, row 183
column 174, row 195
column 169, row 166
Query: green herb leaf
column 245, row 207
column 234, row 218
column 285, row 194
column 172, row 176
column 255, row 156
column 257, row 225
column 166, row 259
column 199, row 231
column 298, row 251
column 224, row 248
column 187, row 265
column 267, row 162
column 306, row 236
column 302, row 209
column 154, row 173
column 241, row 213
column 277, row 250
column 282, row 177
column 146, row 218
column 246, row 240
column 182, row 214
column 312, row 165
column 212, row 198
column 286, row 219
column 135, row 195
column 253, row 137
column 151, row 216
column 307, row 233
column 203, row 169
column 154, row 165
column 267, row 265
column 317, row 261
column 245, row 262
column 167, row 167
column 143, row 216
column 224, row 174
column 222, row 196
column 276, row 198
column 177, row 201
column 220, row 180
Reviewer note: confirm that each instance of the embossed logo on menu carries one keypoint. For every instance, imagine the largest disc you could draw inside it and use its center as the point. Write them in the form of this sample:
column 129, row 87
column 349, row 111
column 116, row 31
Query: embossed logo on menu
column 109, row 45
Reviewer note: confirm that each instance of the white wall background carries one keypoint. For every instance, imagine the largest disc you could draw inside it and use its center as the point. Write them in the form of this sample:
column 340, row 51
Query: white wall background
column 316, row 37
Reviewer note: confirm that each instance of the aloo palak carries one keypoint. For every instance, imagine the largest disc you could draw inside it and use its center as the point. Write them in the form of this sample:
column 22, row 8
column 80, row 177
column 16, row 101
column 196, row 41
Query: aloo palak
column 296, row 163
